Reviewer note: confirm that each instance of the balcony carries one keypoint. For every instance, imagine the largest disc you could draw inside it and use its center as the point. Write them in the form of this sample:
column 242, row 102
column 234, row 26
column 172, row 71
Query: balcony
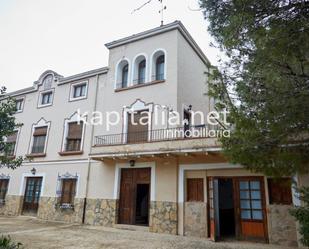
column 180, row 139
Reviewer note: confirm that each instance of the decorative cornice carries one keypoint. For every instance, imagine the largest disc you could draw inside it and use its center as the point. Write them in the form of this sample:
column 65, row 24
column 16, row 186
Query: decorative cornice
column 83, row 75
column 67, row 175
column 59, row 79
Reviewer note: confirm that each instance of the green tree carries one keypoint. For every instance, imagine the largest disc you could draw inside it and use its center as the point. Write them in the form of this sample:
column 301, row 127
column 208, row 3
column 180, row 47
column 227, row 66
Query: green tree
column 302, row 215
column 7, row 128
column 263, row 82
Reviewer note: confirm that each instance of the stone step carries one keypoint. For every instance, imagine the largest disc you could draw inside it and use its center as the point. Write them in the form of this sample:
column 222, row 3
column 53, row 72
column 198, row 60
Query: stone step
column 132, row 227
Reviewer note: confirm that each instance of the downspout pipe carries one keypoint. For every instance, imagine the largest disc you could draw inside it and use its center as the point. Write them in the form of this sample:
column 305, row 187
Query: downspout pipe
column 89, row 160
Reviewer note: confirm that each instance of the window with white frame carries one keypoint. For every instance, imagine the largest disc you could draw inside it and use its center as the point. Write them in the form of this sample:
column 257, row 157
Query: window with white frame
column 39, row 140
column 158, row 66
column 19, row 105
column 122, row 74
column 74, row 136
column 79, row 91
column 66, row 190
column 46, row 98
column 11, row 142
column 139, row 72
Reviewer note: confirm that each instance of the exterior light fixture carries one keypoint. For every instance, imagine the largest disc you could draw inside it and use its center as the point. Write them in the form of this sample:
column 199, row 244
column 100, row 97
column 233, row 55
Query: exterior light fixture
column 132, row 163
column 33, row 171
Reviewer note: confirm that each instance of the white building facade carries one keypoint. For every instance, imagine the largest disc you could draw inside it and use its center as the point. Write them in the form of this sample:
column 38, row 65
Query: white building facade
column 150, row 175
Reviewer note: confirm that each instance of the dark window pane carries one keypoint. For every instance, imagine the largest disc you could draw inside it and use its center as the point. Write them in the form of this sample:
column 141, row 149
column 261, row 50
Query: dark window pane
column 245, row 204
column 255, row 185
column 244, row 194
column 257, row 215
column 246, row 214
column 255, row 194
column 256, row 204
column 244, row 185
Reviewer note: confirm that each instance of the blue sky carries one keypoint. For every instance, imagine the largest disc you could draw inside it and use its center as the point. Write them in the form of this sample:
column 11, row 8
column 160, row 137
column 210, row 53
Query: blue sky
column 68, row 36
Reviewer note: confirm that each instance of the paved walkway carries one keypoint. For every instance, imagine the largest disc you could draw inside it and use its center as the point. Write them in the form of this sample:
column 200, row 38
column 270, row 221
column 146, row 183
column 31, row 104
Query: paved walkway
column 38, row 234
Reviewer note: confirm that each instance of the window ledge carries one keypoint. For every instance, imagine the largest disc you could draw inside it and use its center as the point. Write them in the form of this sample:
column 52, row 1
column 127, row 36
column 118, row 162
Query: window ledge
column 36, row 155
column 139, row 85
column 45, row 105
column 77, row 98
column 70, row 153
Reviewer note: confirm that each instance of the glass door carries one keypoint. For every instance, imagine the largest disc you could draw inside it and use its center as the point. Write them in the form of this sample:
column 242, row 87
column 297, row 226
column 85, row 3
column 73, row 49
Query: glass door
column 32, row 194
column 251, row 208
column 213, row 207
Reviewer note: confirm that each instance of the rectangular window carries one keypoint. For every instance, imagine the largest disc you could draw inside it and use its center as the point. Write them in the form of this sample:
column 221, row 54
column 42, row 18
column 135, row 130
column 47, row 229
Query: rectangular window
column 79, row 91
column 39, row 138
column 251, row 200
column 19, row 105
column 68, row 191
column 280, row 191
column 74, row 137
column 3, row 189
column 11, row 141
column 195, row 189
column 46, row 98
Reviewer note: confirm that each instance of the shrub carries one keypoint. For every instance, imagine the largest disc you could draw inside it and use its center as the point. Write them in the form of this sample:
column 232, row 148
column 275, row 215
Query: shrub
column 302, row 215
column 7, row 243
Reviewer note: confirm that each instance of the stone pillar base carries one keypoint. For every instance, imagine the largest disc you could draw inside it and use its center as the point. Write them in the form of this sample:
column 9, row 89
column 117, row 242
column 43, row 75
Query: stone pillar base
column 163, row 217
column 101, row 212
column 12, row 205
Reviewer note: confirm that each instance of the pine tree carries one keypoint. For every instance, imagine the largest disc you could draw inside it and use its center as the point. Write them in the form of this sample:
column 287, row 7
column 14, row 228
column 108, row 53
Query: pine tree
column 264, row 82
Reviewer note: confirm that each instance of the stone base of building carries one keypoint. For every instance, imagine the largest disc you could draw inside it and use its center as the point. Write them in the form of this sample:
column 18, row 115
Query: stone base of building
column 50, row 210
column 12, row 205
column 163, row 217
column 195, row 219
column 101, row 212
column 282, row 226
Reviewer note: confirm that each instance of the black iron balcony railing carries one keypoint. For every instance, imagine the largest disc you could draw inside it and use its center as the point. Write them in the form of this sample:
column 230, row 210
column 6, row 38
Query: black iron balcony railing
column 139, row 81
column 178, row 133
column 156, row 77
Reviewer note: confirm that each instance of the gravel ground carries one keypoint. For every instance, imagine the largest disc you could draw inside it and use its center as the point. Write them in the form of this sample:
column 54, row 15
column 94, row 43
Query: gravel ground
column 38, row 234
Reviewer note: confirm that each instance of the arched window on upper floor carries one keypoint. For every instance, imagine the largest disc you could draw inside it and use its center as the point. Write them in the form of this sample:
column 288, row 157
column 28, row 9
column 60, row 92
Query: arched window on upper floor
column 122, row 74
column 159, row 67
column 140, row 70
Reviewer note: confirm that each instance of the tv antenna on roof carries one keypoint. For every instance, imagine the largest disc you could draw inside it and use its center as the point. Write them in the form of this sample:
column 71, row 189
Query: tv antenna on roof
column 161, row 11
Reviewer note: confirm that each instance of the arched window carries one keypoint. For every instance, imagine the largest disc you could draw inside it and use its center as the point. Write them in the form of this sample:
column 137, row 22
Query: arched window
column 141, row 72
column 160, row 64
column 140, row 69
column 124, row 76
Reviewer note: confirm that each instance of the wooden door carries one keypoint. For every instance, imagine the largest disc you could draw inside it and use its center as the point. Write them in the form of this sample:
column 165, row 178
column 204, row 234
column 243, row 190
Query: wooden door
column 137, row 132
column 32, row 194
column 126, row 202
column 250, row 208
column 213, row 206
column 128, row 189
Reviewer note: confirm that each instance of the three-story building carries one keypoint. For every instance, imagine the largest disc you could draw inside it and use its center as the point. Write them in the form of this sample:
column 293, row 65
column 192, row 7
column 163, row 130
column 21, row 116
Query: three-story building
column 157, row 174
